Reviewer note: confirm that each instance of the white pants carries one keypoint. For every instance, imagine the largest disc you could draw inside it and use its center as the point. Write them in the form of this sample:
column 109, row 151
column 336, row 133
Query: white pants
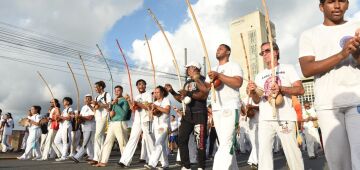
column 131, row 145
column 116, row 130
column 224, row 121
column 341, row 137
column 33, row 143
column 243, row 139
column 87, row 145
column 312, row 138
column 49, row 144
column 42, row 142
column 5, row 143
column 23, row 144
column 99, row 136
column 287, row 135
column 277, row 144
column 160, row 151
column 63, row 140
column 253, row 133
column 75, row 140
column 143, row 154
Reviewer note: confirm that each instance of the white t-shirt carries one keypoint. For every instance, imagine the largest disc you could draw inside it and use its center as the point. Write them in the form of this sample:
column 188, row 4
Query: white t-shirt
column 174, row 125
column 66, row 113
column 8, row 130
column 340, row 86
column 285, row 76
column 305, row 114
column 142, row 115
column 87, row 125
column 36, row 118
column 102, row 113
column 162, row 121
column 227, row 97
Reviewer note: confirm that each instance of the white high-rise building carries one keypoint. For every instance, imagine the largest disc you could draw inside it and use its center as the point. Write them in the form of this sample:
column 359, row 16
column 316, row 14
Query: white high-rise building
column 253, row 28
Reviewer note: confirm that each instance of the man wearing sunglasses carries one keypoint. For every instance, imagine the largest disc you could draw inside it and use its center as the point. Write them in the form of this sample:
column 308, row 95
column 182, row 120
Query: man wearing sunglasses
column 287, row 83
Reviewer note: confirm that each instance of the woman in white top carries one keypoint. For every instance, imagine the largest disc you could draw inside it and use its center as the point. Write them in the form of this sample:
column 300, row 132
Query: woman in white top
column 63, row 137
column 8, row 126
column 161, row 123
column 34, row 135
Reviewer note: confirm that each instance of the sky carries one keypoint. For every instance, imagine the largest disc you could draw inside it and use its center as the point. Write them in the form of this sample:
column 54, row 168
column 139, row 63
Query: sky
column 82, row 24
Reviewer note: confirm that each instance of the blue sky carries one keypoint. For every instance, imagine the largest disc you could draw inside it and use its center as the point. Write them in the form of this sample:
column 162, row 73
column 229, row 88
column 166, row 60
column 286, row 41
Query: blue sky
column 171, row 14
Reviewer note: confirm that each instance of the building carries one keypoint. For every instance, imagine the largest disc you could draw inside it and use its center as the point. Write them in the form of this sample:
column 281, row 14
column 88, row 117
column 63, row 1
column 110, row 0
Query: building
column 308, row 84
column 253, row 28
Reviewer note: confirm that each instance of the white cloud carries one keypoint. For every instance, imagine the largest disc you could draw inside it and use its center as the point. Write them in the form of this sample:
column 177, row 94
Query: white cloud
column 83, row 21
column 290, row 17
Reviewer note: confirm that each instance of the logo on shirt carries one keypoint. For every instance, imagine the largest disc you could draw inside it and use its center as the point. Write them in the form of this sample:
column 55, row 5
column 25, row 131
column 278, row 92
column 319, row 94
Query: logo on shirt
column 191, row 86
column 344, row 39
column 267, row 84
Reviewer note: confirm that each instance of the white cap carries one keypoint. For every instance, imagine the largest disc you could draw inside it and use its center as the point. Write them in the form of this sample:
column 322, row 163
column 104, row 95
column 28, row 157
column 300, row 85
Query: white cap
column 195, row 64
column 88, row 95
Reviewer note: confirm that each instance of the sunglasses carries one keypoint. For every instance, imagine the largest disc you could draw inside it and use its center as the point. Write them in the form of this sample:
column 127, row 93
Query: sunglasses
column 264, row 52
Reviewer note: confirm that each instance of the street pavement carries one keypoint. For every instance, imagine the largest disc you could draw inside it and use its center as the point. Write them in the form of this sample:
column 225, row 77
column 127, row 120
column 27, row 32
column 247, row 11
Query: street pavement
column 8, row 161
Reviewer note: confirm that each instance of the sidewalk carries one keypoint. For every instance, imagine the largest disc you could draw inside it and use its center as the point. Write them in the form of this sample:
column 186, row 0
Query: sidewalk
column 9, row 155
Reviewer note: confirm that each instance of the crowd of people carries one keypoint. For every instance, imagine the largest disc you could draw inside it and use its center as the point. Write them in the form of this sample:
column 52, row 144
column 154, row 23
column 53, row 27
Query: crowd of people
column 259, row 123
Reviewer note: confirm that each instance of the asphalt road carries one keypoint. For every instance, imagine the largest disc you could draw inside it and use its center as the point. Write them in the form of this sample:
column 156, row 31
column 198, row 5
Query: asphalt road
column 8, row 162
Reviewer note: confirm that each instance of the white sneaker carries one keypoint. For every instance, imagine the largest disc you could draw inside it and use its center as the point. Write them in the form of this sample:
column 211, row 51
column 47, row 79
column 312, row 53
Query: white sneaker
column 60, row 159
column 148, row 167
column 36, row 158
column 22, row 158
column 183, row 168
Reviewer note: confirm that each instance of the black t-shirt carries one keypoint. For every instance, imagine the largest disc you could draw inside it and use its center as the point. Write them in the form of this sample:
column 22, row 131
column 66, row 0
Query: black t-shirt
column 196, row 110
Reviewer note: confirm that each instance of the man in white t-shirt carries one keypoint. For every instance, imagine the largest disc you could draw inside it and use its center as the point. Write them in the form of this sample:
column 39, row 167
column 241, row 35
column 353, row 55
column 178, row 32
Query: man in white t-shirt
column 88, row 129
column 330, row 53
column 287, row 83
column 141, row 124
column 102, row 106
column 311, row 132
column 226, row 108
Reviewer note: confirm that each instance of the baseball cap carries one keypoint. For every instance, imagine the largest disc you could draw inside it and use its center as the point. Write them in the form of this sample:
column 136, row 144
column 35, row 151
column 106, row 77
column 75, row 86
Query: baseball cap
column 195, row 64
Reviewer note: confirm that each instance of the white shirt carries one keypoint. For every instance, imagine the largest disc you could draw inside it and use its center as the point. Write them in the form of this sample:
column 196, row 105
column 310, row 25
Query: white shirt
column 227, row 97
column 102, row 113
column 285, row 76
column 66, row 113
column 174, row 125
column 87, row 125
column 162, row 121
column 142, row 115
column 307, row 113
column 340, row 86
column 35, row 118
